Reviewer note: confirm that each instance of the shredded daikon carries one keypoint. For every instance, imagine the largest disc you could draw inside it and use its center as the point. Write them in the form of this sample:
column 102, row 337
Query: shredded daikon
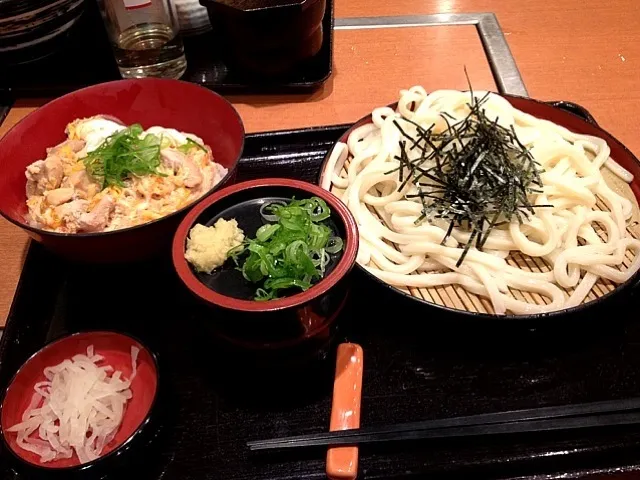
column 78, row 408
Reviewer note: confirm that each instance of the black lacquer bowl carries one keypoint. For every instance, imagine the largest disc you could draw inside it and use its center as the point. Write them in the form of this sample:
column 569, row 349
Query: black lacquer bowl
column 578, row 120
column 303, row 321
column 268, row 38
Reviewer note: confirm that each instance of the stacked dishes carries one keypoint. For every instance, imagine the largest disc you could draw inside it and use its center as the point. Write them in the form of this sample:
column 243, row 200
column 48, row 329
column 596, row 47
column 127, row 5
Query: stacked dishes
column 31, row 29
column 192, row 16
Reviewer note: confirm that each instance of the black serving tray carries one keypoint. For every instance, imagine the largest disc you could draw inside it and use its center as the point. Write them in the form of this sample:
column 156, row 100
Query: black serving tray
column 418, row 365
column 5, row 106
column 86, row 59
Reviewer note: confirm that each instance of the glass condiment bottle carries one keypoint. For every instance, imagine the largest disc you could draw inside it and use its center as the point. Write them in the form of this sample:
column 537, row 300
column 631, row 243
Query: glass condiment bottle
column 145, row 37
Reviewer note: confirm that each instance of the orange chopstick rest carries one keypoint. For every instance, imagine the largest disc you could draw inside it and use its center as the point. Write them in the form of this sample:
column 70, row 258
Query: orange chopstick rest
column 342, row 462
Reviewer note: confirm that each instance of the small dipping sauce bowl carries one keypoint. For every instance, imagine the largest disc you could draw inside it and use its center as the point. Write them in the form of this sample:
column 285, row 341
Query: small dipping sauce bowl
column 136, row 429
column 300, row 320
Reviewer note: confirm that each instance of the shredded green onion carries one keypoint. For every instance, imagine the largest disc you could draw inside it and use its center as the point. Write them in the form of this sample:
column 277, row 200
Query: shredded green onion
column 290, row 254
column 334, row 245
column 123, row 154
column 189, row 145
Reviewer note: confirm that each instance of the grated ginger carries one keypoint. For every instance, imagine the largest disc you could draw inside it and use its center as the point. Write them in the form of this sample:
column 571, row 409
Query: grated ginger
column 208, row 247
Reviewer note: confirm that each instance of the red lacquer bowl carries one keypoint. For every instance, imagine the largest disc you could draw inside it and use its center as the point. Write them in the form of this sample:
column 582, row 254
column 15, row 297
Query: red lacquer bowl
column 151, row 101
column 116, row 348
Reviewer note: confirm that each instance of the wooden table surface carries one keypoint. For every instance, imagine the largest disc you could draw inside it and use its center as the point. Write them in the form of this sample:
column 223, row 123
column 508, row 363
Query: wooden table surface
column 586, row 51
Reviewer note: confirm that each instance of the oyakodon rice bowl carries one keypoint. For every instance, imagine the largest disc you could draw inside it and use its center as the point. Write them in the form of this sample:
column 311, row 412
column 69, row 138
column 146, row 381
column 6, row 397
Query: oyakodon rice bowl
column 107, row 176
column 464, row 201
column 143, row 103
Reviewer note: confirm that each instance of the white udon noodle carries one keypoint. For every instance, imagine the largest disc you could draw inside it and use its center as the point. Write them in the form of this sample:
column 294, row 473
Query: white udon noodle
column 564, row 236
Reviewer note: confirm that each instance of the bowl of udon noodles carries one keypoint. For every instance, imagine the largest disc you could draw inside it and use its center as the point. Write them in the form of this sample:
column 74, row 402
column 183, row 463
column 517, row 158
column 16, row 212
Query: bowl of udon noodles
column 105, row 173
column 490, row 206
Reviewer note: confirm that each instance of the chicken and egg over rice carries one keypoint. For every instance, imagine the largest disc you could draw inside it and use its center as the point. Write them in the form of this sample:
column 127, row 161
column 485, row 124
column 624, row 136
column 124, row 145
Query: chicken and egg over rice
column 107, row 176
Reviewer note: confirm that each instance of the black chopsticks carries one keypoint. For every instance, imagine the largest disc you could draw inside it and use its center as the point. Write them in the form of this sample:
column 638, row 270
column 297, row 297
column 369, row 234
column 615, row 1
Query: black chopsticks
column 568, row 417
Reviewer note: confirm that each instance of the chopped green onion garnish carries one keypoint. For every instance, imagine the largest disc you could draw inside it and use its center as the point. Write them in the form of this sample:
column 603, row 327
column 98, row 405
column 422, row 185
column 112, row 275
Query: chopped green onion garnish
column 189, row 145
column 334, row 245
column 292, row 253
column 265, row 231
column 124, row 154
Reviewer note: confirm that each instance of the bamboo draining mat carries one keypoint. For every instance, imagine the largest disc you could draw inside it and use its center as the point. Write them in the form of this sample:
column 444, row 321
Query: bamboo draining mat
column 456, row 297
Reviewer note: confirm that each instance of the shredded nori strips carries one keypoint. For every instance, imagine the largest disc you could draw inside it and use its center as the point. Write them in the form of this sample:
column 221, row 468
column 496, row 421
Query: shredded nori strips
column 480, row 178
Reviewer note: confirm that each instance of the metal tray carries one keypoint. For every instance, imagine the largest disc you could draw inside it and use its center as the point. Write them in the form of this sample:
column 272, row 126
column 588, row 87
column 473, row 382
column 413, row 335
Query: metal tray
column 418, row 365
column 87, row 59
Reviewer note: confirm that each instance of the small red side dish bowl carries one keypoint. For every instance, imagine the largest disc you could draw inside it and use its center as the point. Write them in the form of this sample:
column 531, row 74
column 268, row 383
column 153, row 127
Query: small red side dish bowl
column 116, row 350
column 302, row 318
column 150, row 101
